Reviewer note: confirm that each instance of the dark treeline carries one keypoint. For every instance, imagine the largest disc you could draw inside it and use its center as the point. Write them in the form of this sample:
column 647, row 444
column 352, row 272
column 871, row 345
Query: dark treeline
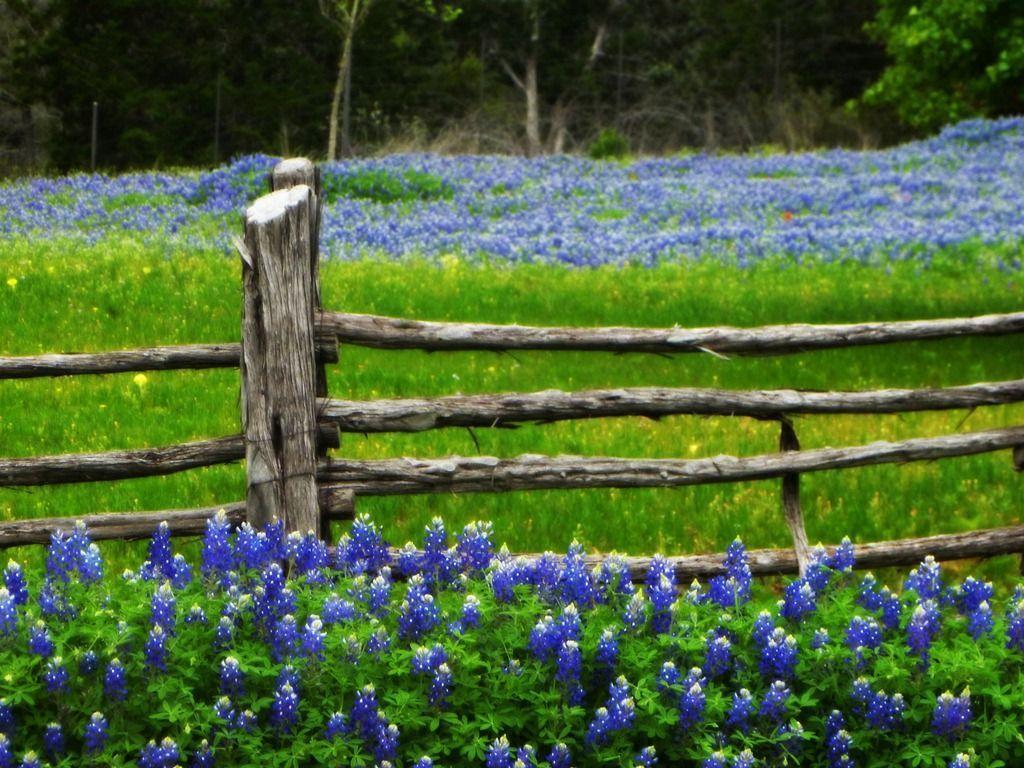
column 197, row 81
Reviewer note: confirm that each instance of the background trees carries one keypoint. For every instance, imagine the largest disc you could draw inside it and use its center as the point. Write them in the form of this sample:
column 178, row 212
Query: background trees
column 196, row 81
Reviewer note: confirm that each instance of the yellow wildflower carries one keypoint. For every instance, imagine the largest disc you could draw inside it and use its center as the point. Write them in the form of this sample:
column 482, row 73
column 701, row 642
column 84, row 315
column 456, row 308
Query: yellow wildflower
column 12, row 281
column 140, row 379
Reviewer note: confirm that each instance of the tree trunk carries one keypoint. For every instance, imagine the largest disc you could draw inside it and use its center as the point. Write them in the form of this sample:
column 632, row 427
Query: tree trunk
column 532, row 107
column 346, row 104
column 340, row 90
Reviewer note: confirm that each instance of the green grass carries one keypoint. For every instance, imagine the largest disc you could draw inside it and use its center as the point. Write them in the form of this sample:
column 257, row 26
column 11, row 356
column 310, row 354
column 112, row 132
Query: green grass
column 119, row 294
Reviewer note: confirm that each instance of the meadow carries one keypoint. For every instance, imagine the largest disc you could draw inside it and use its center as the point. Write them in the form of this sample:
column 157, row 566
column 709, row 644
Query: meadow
column 929, row 229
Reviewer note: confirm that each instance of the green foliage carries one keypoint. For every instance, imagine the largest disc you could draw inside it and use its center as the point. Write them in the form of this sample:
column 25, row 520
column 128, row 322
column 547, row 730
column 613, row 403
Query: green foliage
column 609, row 145
column 381, row 186
column 949, row 60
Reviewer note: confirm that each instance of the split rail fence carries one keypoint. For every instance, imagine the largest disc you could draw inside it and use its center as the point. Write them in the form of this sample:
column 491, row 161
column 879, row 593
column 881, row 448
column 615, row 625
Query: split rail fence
column 289, row 423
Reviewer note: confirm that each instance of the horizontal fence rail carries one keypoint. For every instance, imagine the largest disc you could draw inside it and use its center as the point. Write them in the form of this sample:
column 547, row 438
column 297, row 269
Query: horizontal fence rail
column 120, row 465
column 169, row 358
column 990, row 542
column 511, row 409
column 140, row 525
column 488, row 474
column 399, row 333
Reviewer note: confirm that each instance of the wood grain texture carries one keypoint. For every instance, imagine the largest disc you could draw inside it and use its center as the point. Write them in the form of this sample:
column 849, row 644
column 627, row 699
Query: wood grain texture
column 510, row 409
column 194, row 356
column 456, row 474
column 278, row 362
column 791, row 510
column 399, row 333
column 119, row 465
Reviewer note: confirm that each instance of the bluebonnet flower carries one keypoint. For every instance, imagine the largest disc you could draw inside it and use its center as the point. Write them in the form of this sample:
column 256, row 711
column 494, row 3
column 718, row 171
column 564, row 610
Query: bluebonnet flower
column 742, row 707
column 438, row 564
column 313, row 635
column 733, row 588
column 648, row 758
column 56, row 676
column 7, row 721
column 715, row 760
column 635, row 614
column 668, row 676
column 882, row 712
column 613, row 579
column 30, row 760
column 526, row 755
column 575, row 582
column 365, row 710
column 232, row 679
column 773, row 706
column 88, row 664
column 962, row 760
column 284, row 711
column 40, row 643
column 6, row 752
column 285, row 639
column 799, row 600
column 196, row 615
column 217, row 559
column 764, row 626
column 380, row 592
column 163, row 608
column 163, row 755
column 559, row 756
column 245, row 720
column 661, row 591
column 691, row 705
column 440, row 686
column 337, row 726
column 14, row 581
column 971, row 594
column 8, row 613
column 863, row 635
column 926, row 580
column 499, row 753
column 379, row 642
column 160, row 564
column 569, row 664
column 419, row 613
column 96, row 732
column 311, row 557
column 744, row 759
column 980, row 621
column 844, row 558
column 61, row 557
column 224, row 710
column 155, row 649
column 779, row 656
column 952, row 715
column 617, row 714
column 181, row 572
column 470, row 612
column 608, row 649
column 423, row 762
column 115, row 686
column 717, row 655
column 335, row 610
column 53, row 741
column 223, row 638
column 924, row 625
column 362, row 549
column 1015, row 625
column 203, row 757
column 820, row 639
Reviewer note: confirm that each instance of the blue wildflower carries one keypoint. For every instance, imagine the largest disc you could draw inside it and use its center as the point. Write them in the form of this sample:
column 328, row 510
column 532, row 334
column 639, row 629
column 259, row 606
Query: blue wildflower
column 779, row 656
column 773, row 706
column 740, row 711
column 163, row 755
column 40, row 643
column 284, row 711
column 717, row 655
column 96, row 732
column 56, row 676
column 8, row 613
column 163, row 608
column 14, row 581
column 337, row 726
column 53, row 741
column 952, row 715
column 115, row 686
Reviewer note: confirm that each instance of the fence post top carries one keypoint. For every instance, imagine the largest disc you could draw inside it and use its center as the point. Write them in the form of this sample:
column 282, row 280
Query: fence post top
column 293, row 164
column 273, row 205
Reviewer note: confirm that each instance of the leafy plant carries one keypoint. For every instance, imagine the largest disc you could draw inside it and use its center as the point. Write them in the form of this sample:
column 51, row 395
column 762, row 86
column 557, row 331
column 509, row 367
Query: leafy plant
column 609, row 145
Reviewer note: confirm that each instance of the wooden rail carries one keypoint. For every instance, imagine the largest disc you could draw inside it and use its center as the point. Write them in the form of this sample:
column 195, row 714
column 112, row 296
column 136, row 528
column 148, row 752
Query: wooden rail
column 181, row 357
column 456, row 474
column 511, row 409
column 399, row 333
column 140, row 525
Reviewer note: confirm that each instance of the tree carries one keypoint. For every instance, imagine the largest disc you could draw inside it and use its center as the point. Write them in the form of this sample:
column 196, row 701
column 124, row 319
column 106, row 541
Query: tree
column 347, row 16
column 949, row 59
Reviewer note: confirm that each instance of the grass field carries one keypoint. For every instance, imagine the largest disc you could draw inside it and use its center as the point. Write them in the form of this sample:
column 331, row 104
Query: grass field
column 60, row 295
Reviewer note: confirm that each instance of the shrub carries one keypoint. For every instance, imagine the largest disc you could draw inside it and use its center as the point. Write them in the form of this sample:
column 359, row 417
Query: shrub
column 609, row 145
column 382, row 186
column 452, row 655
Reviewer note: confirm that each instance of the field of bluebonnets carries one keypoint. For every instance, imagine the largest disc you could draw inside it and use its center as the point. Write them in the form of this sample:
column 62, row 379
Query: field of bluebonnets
column 474, row 657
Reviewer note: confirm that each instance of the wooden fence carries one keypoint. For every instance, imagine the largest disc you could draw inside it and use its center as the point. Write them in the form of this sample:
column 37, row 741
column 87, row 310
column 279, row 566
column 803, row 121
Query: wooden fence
column 288, row 422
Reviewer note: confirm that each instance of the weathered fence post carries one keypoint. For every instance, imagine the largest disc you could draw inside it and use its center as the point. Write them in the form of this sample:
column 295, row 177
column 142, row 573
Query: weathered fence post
column 287, row 174
column 278, row 361
column 791, row 498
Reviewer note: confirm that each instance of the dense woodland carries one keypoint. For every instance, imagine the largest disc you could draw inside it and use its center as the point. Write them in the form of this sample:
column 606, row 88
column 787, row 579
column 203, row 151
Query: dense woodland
column 197, row 81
